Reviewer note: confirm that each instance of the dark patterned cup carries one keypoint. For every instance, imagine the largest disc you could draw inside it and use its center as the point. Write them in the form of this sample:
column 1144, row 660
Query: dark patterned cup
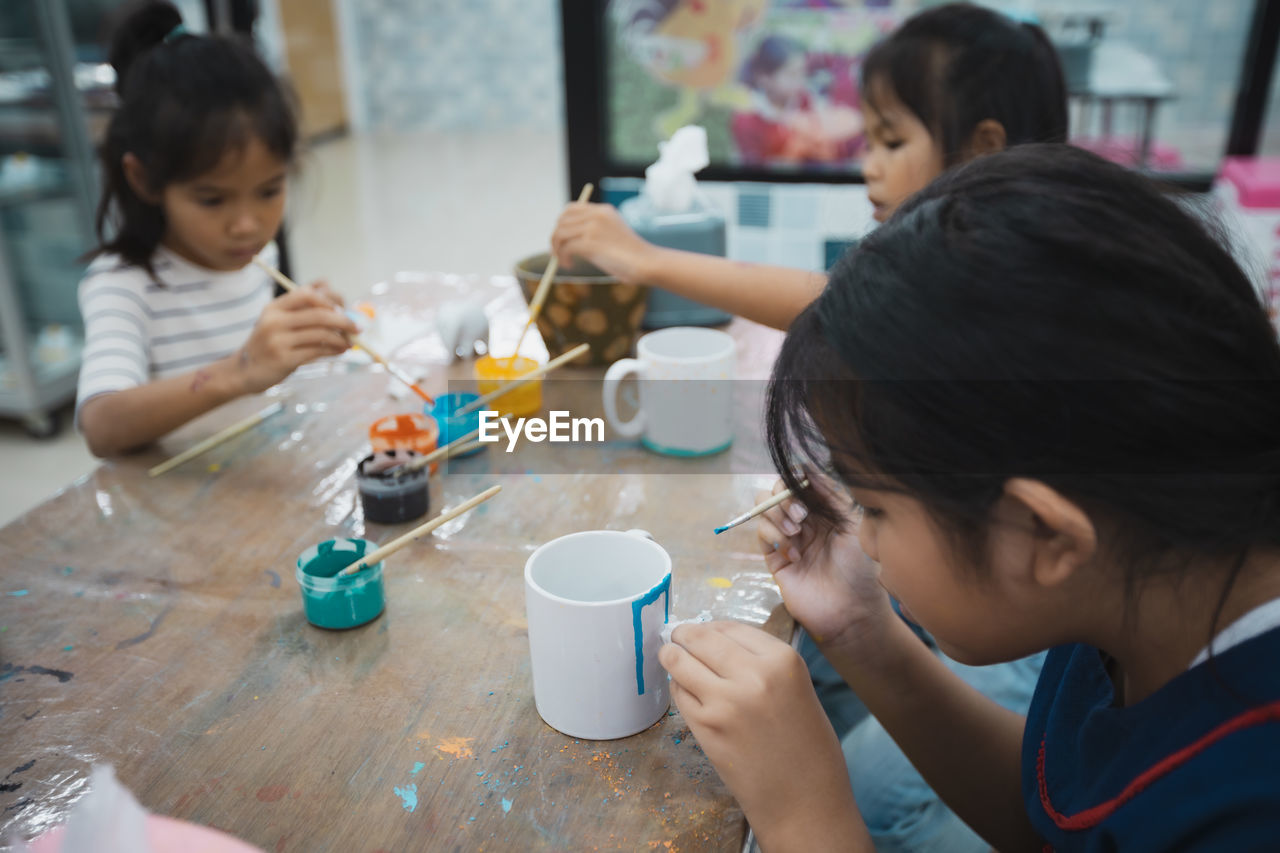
column 585, row 306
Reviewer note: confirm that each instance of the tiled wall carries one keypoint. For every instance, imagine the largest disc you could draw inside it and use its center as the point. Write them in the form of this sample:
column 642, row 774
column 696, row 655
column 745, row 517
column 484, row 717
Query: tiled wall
column 806, row 226
column 458, row 64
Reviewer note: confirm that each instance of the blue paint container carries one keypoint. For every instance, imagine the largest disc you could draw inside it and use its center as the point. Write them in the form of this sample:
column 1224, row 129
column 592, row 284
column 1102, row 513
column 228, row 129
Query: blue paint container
column 453, row 427
column 339, row 602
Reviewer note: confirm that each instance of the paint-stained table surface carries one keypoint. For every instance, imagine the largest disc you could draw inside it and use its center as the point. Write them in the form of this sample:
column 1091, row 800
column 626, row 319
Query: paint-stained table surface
column 156, row 625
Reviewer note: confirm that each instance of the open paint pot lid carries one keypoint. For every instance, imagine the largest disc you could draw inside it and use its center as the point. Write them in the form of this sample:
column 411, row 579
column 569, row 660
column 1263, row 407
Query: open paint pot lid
column 411, row 431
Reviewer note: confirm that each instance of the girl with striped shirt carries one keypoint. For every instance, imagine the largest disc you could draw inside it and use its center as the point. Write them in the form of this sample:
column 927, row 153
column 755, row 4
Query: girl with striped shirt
column 177, row 318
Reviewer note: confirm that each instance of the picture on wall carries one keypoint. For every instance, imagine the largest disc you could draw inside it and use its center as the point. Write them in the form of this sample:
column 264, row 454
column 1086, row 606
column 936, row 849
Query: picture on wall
column 774, row 82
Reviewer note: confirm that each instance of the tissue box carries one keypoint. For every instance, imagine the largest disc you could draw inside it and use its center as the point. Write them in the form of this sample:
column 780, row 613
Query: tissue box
column 700, row 229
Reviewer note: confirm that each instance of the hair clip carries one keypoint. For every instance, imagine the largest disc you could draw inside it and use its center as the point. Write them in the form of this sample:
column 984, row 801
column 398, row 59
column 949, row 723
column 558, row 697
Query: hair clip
column 177, row 32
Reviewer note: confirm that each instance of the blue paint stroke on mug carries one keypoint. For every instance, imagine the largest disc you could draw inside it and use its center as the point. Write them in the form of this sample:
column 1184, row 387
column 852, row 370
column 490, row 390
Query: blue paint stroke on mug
column 637, row 608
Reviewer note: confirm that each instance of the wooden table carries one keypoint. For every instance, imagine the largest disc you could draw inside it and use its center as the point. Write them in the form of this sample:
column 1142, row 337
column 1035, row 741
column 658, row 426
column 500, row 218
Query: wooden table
column 156, row 625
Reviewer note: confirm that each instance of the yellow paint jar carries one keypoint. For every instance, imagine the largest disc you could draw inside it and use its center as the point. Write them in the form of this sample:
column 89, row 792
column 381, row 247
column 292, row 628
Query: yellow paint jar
column 492, row 373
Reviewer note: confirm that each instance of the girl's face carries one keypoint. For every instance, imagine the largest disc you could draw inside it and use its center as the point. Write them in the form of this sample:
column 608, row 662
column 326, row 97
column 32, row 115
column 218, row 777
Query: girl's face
column 902, row 157
column 221, row 219
column 976, row 615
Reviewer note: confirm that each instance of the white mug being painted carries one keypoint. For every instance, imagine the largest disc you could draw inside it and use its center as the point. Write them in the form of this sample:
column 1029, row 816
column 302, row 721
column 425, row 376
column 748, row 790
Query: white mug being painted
column 596, row 603
column 686, row 391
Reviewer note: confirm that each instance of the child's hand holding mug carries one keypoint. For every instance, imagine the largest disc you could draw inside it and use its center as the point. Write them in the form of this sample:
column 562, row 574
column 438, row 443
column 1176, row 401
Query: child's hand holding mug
column 748, row 700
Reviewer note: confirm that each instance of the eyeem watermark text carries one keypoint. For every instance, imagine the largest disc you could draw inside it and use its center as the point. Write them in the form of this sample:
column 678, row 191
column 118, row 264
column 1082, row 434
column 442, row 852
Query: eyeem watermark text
column 560, row 427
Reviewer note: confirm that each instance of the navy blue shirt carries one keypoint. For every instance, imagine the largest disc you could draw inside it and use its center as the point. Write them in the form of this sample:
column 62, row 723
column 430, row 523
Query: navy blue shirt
column 1195, row 766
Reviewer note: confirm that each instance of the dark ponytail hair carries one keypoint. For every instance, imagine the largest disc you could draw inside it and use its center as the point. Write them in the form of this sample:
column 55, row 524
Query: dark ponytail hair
column 957, row 65
column 185, row 101
column 1042, row 313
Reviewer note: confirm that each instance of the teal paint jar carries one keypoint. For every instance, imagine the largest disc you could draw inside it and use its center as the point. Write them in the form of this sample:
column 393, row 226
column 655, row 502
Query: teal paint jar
column 339, row 602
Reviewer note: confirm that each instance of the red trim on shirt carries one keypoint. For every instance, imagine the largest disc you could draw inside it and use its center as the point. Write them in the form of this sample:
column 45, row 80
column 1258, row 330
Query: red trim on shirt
column 1093, row 816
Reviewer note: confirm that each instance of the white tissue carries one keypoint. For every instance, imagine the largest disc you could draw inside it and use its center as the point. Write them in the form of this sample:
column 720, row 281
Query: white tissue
column 462, row 325
column 704, row 616
column 669, row 182
column 107, row 820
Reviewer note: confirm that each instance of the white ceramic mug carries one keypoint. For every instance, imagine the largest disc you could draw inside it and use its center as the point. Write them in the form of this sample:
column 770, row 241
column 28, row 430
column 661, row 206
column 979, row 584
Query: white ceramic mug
column 596, row 604
column 686, row 391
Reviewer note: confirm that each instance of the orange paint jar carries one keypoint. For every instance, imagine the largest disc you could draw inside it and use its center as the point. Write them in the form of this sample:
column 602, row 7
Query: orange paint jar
column 413, row 431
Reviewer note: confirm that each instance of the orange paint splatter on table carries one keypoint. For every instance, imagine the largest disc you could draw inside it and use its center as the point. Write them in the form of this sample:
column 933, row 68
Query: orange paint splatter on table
column 458, row 747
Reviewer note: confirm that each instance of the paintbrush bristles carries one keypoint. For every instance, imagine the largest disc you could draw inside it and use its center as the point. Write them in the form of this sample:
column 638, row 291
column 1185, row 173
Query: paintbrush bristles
column 396, row 544
column 761, row 508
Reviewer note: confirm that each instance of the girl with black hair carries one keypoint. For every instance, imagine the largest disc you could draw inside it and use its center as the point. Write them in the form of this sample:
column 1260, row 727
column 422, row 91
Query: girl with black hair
column 1052, row 396
column 952, row 83
column 194, row 162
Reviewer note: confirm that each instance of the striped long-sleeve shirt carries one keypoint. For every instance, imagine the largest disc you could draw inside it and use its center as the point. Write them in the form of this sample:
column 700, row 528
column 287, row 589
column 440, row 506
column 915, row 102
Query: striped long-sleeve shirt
column 138, row 329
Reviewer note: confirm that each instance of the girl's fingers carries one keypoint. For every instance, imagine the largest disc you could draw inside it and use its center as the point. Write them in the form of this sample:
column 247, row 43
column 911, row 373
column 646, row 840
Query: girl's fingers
column 303, row 297
column 565, row 243
column 692, row 674
column 302, row 355
column 776, row 561
column 748, row 637
column 778, row 514
column 685, row 701
column 332, row 296
column 771, row 538
column 712, row 647
column 316, row 337
column 778, row 520
column 324, row 317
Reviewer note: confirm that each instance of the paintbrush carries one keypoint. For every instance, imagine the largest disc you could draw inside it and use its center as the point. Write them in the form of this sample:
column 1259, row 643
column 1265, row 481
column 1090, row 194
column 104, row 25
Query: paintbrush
column 396, row 544
column 290, row 285
column 523, row 379
column 458, row 445
column 544, row 286
column 761, row 508
column 217, row 438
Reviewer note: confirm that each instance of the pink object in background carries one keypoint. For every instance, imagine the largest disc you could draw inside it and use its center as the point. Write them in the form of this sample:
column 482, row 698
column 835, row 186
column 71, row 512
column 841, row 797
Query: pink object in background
column 164, row 835
column 1127, row 150
column 1256, row 181
column 1248, row 191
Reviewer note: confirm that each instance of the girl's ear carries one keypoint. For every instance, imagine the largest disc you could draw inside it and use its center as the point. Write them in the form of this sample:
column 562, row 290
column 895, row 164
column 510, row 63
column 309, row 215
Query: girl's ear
column 1065, row 538
column 136, row 175
column 987, row 138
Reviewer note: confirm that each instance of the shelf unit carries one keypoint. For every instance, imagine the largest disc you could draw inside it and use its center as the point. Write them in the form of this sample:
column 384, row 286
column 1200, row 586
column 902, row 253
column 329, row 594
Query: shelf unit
column 43, row 113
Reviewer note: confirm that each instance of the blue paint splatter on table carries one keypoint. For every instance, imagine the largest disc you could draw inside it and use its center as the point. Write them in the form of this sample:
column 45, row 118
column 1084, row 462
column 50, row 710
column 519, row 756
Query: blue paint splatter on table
column 20, row 592
column 408, row 796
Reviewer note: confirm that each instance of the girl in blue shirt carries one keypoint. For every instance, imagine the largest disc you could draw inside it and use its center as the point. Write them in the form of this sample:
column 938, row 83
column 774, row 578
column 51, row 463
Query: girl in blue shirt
column 1060, row 420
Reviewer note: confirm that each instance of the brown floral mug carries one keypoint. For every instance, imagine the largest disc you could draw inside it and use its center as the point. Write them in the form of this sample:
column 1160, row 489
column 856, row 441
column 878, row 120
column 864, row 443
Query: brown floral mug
column 585, row 305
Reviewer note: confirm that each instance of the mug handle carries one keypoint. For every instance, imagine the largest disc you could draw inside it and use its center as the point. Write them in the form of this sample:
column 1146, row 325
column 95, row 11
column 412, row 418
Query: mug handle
column 613, row 377
column 643, row 534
